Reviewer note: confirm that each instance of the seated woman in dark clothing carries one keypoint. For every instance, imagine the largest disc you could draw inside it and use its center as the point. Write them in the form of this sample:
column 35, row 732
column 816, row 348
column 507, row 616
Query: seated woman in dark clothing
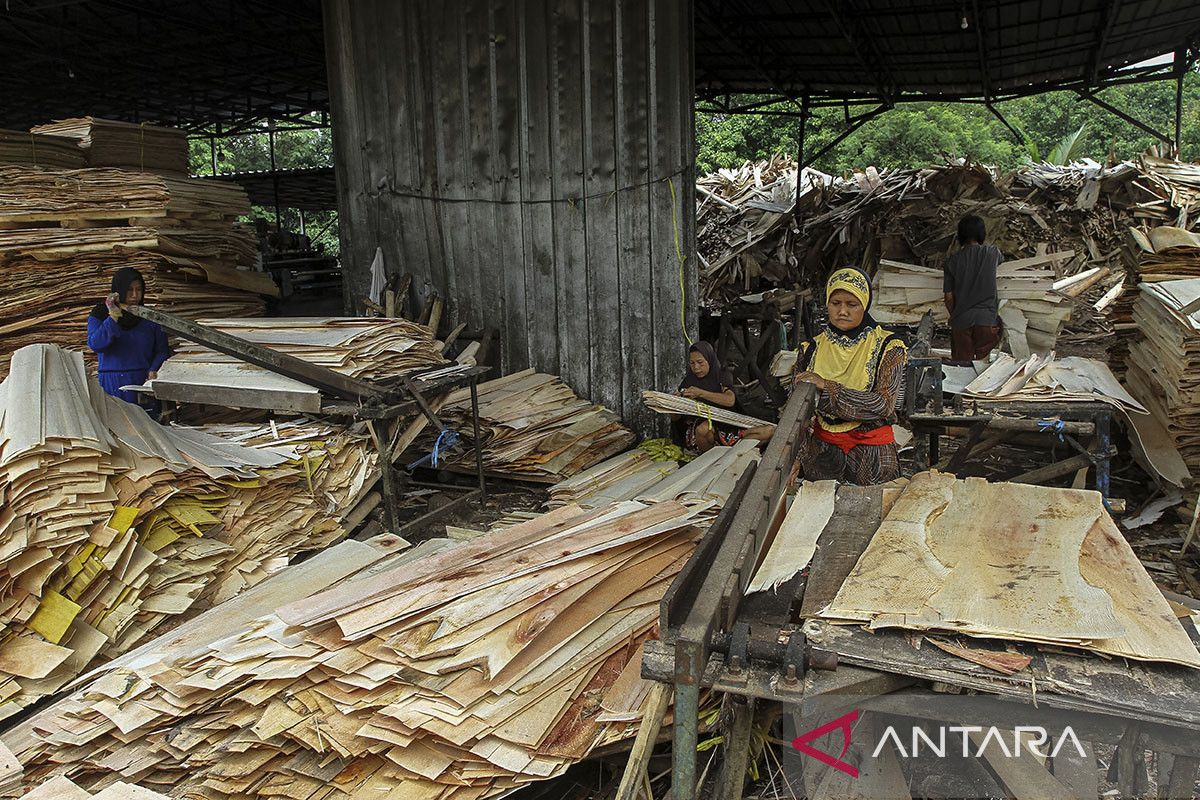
column 130, row 349
column 858, row 367
column 706, row 382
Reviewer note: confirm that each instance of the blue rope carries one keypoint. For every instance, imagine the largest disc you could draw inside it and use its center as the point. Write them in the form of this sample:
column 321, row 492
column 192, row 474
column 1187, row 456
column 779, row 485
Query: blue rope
column 1055, row 425
column 451, row 441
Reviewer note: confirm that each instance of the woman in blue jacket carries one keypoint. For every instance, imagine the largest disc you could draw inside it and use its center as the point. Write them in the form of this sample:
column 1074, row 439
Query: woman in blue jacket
column 130, row 349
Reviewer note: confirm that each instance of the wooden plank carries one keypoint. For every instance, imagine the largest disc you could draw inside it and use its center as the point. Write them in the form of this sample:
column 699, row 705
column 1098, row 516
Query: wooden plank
column 1022, row 774
column 600, row 207
column 633, row 202
column 1080, row 773
column 841, row 545
column 643, row 745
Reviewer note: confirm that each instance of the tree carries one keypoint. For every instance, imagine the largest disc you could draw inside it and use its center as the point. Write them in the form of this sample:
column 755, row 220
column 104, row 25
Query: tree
column 916, row 134
column 295, row 149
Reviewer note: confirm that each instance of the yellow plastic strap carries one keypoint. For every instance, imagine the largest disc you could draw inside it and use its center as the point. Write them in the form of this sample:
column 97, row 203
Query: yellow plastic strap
column 680, row 256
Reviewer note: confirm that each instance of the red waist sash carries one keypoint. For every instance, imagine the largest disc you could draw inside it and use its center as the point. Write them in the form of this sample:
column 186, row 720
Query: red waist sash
column 848, row 440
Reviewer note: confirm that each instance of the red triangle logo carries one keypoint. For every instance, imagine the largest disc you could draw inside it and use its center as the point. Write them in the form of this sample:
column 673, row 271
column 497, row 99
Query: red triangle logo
column 842, row 723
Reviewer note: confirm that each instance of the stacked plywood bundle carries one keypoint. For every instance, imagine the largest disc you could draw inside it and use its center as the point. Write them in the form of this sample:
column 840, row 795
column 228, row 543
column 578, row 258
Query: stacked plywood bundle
column 937, row 563
column 109, row 143
column 116, row 525
column 40, row 150
column 454, row 672
column 63, row 233
column 533, row 426
column 1032, row 311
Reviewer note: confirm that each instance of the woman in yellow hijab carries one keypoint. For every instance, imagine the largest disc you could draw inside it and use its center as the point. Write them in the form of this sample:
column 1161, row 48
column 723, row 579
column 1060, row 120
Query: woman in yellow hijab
column 858, row 367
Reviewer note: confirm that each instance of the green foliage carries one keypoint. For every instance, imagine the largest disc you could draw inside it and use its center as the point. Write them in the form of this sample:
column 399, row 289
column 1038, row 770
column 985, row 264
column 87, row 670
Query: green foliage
column 916, row 134
column 293, row 150
column 1068, row 149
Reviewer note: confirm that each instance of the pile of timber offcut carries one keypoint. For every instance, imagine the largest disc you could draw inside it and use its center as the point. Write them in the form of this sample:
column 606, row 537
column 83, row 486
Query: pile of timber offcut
column 533, row 427
column 40, row 150
column 938, row 563
column 452, row 670
column 744, row 226
column 182, row 235
column 109, row 143
column 708, row 480
column 115, row 525
column 1032, row 311
column 911, row 216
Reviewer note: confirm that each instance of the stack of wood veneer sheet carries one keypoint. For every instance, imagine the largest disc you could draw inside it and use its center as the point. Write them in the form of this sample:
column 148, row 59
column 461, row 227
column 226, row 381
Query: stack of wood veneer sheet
column 1054, row 569
column 378, row 349
column 534, row 426
column 1033, row 313
column 665, row 403
column 115, row 526
column 452, row 670
column 40, row 150
column 63, row 233
column 110, row 143
column 635, row 475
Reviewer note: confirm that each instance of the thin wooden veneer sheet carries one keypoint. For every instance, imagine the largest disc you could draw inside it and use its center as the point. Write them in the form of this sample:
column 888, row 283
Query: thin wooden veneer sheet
column 1010, row 561
column 796, row 540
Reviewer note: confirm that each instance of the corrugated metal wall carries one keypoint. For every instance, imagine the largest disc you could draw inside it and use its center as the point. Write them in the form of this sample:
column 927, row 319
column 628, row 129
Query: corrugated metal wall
column 532, row 160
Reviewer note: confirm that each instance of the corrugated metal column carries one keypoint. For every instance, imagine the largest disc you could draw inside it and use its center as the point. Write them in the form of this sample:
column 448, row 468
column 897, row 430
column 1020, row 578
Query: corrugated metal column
column 533, row 162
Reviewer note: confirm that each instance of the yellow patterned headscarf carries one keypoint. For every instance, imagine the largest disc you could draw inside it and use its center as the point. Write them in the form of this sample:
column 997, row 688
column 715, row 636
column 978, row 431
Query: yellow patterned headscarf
column 851, row 358
column 851, row 280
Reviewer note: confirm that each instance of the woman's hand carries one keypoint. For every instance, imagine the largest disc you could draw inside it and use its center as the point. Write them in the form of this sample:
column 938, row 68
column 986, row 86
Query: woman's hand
column 693, row 393
column 152, row 374
column 813, row 378
column 113, row 302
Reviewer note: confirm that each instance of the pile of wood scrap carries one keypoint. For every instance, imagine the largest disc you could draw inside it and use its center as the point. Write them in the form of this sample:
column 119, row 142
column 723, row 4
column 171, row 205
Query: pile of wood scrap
column 115, row 526
column 533, row 427
column 1032, row 311
column 451, row 670
column 707, row 480
column 40, row 150
column 109, row 143
column 1054, row 569
column 744, row 227
column 665, row 403
column 63, row 233
column 911, row 216
column 376, row 349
